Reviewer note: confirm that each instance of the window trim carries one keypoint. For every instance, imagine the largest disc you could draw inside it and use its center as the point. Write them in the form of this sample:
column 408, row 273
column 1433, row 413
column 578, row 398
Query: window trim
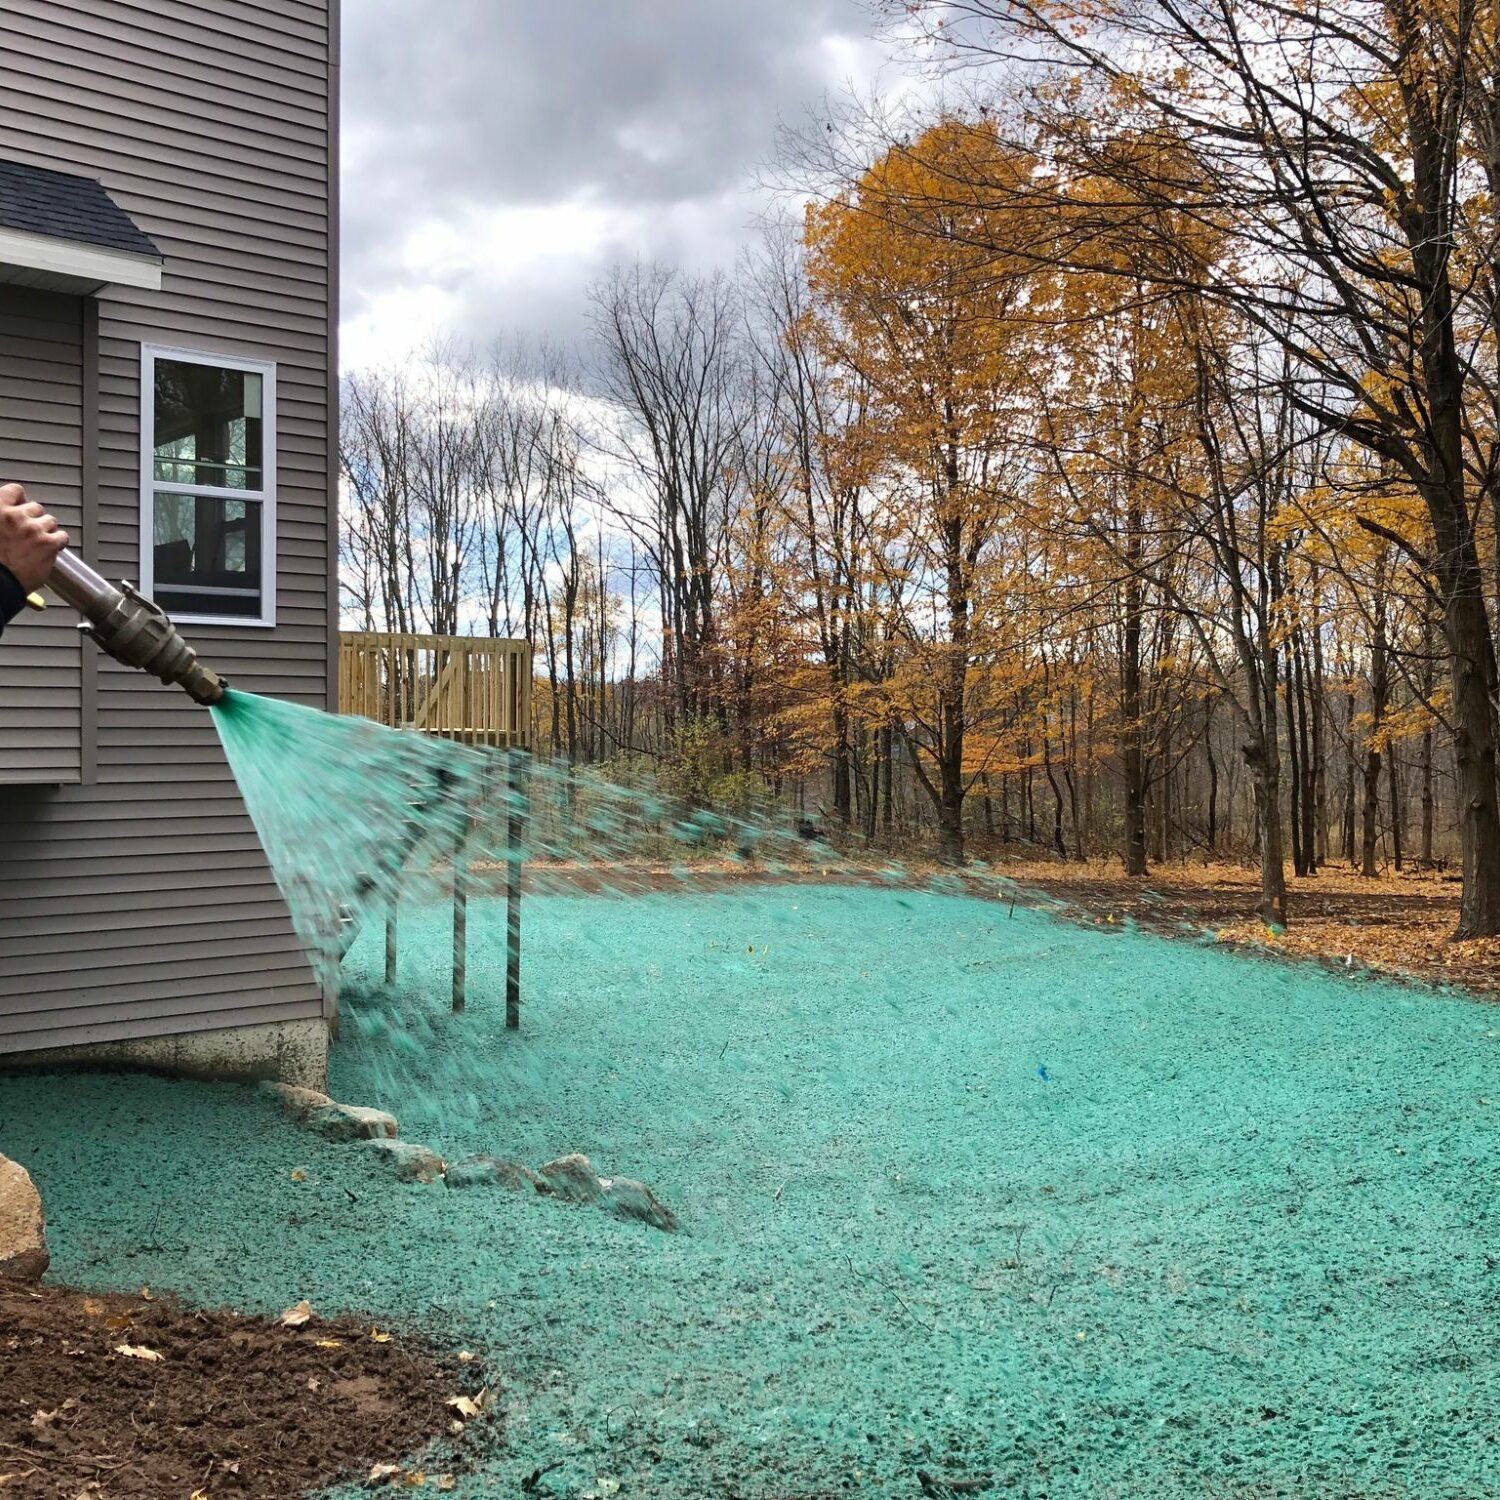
column 265, row 497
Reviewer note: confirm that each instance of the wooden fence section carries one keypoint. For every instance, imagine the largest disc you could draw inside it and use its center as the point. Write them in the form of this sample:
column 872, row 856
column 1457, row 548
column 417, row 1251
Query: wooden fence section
column 475, row 689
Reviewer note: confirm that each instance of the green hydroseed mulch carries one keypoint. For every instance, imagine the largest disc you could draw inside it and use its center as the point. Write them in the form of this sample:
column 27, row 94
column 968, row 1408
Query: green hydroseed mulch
column 965, row 1192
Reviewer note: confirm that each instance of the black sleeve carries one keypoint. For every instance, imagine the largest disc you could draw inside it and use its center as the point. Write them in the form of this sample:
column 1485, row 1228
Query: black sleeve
column 12, row 597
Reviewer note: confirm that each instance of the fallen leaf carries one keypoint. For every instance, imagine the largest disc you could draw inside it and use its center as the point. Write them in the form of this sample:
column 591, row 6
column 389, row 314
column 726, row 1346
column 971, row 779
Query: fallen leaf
column 465, row 1355
column 295, row 1317
column 465, row 1406
column 416, row 1479
column 16, row 1476
column 199, row 1495
column 115, row 1324
column 384, row 1471
column 446, row 1481
column 313, row 1382
column 329, row 1343
column 299, row 1175
column 376, row 1336
column 93, row 1308
column 146, row 1294
column 137, row 1351
column 41, row 1420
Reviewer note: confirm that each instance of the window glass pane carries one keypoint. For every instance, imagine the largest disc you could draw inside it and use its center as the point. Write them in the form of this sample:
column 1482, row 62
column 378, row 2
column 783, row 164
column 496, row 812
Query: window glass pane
column 207, row 554
column 208, row 425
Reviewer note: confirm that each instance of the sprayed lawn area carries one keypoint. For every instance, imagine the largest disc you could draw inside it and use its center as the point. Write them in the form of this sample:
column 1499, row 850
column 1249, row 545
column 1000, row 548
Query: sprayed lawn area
column 963, row 1192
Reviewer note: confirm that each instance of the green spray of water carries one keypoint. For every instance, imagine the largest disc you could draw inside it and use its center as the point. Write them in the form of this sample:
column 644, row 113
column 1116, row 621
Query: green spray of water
column 357, row 820
column 353, row 814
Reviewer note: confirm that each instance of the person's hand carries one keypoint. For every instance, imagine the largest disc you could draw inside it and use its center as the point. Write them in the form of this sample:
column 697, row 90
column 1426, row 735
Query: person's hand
column 30, row 538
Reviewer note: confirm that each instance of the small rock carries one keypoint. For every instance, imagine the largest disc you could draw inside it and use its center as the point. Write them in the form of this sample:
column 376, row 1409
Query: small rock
column 489, row 1171
column 351, row 1122
column 572, row 1178
column 412, row 1163
column 23, row 1230
column 634, row 1200
column 298, row 1103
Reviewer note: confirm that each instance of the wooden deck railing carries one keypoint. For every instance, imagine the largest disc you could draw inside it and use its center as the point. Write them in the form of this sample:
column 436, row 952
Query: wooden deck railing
column 475, row 689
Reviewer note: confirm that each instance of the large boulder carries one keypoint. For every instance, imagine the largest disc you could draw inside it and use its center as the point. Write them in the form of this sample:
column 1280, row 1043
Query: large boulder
column 572, row 1178
column 490, row 1171
column 23, row 1230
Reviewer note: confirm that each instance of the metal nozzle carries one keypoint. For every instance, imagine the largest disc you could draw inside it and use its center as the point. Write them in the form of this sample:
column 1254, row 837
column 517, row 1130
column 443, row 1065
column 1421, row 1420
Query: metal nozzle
column 134, row 629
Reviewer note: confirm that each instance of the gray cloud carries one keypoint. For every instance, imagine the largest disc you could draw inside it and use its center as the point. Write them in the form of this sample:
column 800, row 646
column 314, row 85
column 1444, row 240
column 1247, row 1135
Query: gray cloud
column 536, row 141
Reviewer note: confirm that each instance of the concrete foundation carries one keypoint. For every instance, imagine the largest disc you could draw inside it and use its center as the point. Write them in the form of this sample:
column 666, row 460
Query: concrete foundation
column 286, row 1051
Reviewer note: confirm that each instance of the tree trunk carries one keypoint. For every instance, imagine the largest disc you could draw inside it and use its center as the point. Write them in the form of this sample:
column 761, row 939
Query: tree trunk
column 1294, row 780
column 1466, row 626
column 1213, row 779
column 1473, row 683
column 1427, row 799
column 1264, row 761
column 1305, row 749
column 1319, row 749
column 951, row 826
column 888, row 808
column 1349, row 777
column 1133, row 758
column 1379, row 692
column 1394, row 776
column 1429, row 652
column 842, row 787
column 1057, row 800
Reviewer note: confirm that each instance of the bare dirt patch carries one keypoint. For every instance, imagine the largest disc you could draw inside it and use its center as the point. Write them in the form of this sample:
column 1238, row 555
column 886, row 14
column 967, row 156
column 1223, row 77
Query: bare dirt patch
column 1400, row 924
column 109, row 1395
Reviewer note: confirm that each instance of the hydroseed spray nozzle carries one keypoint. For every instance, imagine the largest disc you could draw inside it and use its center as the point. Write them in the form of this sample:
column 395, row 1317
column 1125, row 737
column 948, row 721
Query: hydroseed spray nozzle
column 133, row 629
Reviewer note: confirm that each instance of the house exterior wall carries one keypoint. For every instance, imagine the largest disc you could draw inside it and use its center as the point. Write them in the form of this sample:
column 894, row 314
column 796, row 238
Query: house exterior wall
column 42, row 338
column 135, row 901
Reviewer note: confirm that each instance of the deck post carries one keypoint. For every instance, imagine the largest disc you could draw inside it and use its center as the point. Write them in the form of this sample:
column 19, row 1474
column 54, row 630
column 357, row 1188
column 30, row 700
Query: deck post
column 461, row 911
column 328, row 978
column 514, row 833
column 472, row 691
column 390, row 941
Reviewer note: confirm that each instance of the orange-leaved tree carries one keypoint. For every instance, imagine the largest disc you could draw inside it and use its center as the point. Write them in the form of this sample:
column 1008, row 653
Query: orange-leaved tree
column 918, row 301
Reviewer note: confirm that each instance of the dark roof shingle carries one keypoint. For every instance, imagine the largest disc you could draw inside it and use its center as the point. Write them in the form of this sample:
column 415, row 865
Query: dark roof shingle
column 61, row 206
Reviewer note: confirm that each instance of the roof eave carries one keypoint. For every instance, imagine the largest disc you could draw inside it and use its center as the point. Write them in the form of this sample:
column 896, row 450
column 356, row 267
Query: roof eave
column 88, row 267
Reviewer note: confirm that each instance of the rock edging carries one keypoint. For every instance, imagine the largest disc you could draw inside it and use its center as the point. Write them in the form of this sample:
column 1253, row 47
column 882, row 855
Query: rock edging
column 568, row 1179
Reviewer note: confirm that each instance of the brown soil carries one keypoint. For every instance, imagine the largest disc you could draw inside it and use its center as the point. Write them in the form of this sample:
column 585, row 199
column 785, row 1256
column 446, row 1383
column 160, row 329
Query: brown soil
column 1400, row 924
column 235, row 1407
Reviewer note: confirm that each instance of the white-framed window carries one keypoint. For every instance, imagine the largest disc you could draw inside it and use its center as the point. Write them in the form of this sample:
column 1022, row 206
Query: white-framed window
column 208, row 486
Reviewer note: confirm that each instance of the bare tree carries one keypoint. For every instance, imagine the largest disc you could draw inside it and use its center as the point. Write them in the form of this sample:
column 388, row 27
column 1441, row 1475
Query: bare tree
column 672, row 364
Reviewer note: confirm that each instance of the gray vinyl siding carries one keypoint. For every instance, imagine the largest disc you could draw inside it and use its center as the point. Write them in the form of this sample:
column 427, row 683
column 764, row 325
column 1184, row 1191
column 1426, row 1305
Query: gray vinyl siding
column 41, row 434
column 139, row 903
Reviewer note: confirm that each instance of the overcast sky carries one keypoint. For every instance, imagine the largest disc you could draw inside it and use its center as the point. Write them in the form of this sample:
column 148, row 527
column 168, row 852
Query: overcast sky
column 500, row 154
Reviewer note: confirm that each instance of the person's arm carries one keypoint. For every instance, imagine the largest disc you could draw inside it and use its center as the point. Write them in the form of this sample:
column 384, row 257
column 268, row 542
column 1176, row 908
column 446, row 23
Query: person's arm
column 30, row 540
